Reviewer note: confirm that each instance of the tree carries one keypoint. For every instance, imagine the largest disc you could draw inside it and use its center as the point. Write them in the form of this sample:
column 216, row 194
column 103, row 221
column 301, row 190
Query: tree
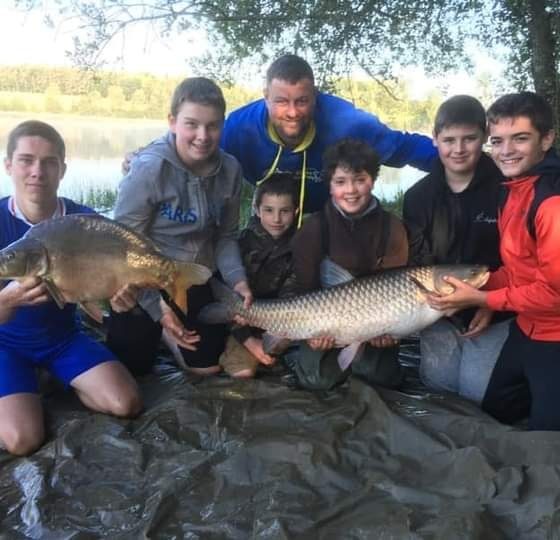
column 337, row 35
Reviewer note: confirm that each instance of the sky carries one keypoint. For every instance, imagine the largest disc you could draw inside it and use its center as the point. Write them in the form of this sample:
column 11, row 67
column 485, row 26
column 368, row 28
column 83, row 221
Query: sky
column 26, row 39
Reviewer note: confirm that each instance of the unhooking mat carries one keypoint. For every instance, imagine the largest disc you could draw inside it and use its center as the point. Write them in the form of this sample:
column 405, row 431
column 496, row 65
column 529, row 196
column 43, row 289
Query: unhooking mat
column 259, row 459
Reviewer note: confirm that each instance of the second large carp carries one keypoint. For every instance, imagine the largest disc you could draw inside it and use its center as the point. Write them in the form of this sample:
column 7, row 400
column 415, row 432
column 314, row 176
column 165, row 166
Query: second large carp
column 86, row 257
column 389, row 302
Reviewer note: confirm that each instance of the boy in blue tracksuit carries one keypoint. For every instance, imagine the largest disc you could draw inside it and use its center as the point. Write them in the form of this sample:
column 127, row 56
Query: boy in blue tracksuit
column 34, row 332
column 289, row 130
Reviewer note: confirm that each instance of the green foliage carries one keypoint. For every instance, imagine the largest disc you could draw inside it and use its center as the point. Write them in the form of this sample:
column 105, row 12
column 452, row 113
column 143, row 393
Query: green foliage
column 380, row 36
column 111, row 96
column 394, row 205
column 100, row 199
column 104, row 93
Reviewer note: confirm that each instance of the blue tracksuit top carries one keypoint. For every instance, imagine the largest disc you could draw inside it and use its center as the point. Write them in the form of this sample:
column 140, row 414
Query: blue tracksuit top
column 44, row 324
column 246, row 137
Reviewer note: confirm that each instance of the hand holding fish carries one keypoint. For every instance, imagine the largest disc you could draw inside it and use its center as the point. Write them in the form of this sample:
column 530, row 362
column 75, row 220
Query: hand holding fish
column 479, row 322
column 463, row 296
column 255, row 347
column 322, row 343
column 27, row 292
column 383, row 341
column 183, row 337
column 125, row 298
column 242, row 288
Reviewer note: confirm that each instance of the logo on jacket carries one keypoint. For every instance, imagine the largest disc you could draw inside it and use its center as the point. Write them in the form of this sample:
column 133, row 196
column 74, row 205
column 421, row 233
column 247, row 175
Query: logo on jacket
column 484, row 218
column 178, row 214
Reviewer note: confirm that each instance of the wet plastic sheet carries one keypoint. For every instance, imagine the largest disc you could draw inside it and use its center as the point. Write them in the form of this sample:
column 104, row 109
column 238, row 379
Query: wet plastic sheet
column 225, row 459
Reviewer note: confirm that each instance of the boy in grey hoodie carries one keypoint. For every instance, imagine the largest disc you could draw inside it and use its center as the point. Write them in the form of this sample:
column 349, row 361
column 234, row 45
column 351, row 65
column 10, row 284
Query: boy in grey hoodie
column 184, row 193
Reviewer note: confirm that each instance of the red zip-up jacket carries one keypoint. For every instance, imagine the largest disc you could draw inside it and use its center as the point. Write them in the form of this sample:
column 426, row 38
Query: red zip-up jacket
column 529, row 280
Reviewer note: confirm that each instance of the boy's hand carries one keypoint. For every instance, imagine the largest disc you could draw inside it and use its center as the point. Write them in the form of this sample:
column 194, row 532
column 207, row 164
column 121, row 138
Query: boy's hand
column 479, row 322
column 27, row 292
column 462, row 297
column 383, row 341
column 125, row 165
column 243, row 289
column 125, row 298
column 255, row 347
column 176, row 331
column 321, row 343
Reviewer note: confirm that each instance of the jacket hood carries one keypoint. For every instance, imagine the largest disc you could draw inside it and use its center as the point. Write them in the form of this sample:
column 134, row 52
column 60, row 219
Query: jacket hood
column 550, row 165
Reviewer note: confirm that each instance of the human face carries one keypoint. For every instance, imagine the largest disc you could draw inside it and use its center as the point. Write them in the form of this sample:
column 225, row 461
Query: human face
column 36, row 170
column 517, row 146
column 351, row 190
column 197, row 130
column 290, row 108
column 277, row 213
column 459, row 148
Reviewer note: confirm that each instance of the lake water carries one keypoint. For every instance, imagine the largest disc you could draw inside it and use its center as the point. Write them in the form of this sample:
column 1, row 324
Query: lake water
column 95, row 148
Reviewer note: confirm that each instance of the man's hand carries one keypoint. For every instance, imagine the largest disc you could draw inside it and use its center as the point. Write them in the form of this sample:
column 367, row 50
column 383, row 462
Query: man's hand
column 464, row 296
column 255, row 347
column 243, row 289
column 321, row 343
column 128, row 157
column 383, row 341
column 125, row 298
column 479, row 322
column 177, row 332
column 29, row 291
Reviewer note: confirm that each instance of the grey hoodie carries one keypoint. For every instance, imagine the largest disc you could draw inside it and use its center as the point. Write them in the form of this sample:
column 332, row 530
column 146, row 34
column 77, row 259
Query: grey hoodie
column 190, row 218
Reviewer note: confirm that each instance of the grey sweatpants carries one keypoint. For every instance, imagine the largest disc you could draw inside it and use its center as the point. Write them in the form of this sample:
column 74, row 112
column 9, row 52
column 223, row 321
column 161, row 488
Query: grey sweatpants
column 461, row 365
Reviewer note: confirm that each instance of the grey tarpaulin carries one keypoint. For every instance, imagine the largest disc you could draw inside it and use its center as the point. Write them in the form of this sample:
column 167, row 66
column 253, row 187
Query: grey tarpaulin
column 226, row 459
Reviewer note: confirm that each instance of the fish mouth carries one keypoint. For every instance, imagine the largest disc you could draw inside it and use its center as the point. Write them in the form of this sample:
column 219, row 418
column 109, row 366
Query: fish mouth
column 481, row 279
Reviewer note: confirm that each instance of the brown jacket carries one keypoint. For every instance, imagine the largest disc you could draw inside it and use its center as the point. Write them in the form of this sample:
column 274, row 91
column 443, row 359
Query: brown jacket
column 356, row 244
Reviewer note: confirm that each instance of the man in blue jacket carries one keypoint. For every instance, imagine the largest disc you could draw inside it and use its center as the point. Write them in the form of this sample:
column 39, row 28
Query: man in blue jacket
column 290, row 128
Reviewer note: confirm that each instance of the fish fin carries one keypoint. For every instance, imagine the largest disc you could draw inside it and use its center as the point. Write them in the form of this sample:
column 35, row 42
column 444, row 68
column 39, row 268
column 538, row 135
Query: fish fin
column 332, row 274
column 54, row 291
column 180, row 312
column 420, row 285
column 174, row 350
column 93, row 310
column 273, row 344
column 347, row 355
column 224, row 309
column 188, row 274
column 215, row 313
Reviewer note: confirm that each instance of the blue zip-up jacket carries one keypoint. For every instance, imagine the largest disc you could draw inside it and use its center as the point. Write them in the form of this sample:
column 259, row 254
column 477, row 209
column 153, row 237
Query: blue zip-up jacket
column 245, row 135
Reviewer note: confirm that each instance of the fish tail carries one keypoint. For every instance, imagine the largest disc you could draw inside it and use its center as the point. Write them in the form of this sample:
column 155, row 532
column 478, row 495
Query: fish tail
column 188, row 274
column 222, row 311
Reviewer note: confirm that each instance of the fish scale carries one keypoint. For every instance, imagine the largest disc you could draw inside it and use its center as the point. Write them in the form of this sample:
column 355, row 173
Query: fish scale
column 390, row 302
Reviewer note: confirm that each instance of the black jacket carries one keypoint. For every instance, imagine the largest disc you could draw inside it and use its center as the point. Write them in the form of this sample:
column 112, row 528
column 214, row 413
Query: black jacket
column 268, row 264
column 450, row 228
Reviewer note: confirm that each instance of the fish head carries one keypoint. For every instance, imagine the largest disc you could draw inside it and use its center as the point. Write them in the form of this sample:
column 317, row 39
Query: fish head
column 475, row 275
column 23, row 258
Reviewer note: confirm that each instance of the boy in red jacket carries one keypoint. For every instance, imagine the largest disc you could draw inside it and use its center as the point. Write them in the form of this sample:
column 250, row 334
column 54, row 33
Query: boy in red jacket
column 526, row 376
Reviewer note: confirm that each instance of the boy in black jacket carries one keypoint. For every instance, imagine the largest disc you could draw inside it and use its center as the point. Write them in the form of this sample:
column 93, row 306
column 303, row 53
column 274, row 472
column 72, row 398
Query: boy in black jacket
column 451, row 218
column 267, row 258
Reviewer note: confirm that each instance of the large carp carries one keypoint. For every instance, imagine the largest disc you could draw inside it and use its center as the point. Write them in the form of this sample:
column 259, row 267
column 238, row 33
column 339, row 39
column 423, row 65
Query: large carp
column 86, row 257
column 389, row 302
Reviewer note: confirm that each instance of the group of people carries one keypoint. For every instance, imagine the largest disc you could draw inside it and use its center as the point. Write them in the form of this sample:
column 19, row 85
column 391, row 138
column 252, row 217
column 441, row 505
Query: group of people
column 307, row 153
